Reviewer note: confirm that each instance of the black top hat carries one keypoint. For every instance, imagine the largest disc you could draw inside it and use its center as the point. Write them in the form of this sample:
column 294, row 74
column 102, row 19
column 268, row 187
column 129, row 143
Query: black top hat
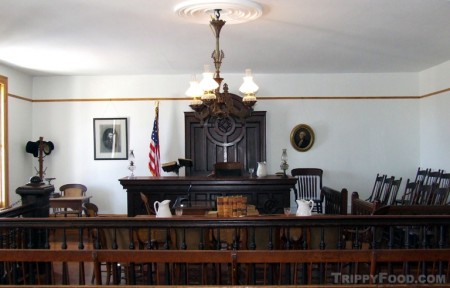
column 48, row 147
column 33, row 147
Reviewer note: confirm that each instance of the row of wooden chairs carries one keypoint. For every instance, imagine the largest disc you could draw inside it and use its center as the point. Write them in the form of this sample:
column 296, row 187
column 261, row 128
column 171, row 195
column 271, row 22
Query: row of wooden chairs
column 428, row 177
column 385, row 190
column 428, row 188
column 417, row 193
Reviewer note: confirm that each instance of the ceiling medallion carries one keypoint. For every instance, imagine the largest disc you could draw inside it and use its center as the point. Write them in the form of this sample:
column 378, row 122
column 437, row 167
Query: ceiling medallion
column 232, row 11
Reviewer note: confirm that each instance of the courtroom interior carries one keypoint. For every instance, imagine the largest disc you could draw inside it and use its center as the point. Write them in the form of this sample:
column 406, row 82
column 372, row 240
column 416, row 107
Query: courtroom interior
column 225, row 143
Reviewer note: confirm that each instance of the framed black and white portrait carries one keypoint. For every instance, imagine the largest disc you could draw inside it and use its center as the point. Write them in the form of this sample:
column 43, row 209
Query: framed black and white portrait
column 110, row 139
column 302, row 137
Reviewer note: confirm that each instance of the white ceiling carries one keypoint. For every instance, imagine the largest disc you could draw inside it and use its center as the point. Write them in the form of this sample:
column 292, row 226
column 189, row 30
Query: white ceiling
column 92, row 37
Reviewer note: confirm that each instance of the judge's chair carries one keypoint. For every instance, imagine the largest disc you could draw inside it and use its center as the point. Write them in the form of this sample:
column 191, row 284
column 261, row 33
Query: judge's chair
column 309, row 185
column 228, row 169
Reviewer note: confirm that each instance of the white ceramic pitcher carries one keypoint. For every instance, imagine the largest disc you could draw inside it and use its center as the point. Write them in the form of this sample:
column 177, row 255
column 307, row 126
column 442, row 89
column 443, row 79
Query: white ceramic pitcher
column 162, row 208
column 304, row 207
column 261, row 171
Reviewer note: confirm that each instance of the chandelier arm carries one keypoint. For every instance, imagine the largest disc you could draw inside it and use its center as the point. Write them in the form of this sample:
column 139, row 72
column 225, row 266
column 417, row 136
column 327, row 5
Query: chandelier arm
column 223, row 104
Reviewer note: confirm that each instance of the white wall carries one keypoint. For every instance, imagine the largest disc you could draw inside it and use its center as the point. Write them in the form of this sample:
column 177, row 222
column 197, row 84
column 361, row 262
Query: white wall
column 434, row 79
column 435, row 118
column 273, row 85
column 355, row 139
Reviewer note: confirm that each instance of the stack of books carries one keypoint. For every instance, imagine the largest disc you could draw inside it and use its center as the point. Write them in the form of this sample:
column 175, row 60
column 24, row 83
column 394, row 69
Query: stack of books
column 252, row 211
column 231, row 206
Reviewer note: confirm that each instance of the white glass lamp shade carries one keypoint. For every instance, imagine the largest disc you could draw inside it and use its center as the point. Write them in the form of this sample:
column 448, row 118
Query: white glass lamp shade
column 284, row 156
column 194, row 89
column 249, row 86
column 208, row 85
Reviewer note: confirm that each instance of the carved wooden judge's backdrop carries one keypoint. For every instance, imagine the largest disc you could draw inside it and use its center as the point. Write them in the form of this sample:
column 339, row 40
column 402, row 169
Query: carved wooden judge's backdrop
column 228, row 139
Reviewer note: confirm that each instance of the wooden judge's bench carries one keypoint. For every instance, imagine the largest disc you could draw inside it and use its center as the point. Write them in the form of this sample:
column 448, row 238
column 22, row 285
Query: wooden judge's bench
column 210, row 141
column 269, row 194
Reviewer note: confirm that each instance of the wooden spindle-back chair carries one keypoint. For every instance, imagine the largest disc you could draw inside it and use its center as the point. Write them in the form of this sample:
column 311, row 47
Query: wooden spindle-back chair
column 379, row 180
column 309, row 185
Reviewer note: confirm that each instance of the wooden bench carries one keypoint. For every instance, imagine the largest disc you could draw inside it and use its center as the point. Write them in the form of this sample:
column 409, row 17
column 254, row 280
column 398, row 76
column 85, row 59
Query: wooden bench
column 410, row 236
column 361, row 207
column 335, row 201
column 414, row 210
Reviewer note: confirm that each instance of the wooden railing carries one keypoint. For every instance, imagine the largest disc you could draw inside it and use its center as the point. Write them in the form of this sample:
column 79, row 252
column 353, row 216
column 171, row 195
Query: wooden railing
column 17, row 211
column 260, row 250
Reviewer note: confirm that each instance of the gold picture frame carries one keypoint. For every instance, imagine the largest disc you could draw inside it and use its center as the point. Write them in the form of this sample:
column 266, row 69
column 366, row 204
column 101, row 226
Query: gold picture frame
column 302, row 137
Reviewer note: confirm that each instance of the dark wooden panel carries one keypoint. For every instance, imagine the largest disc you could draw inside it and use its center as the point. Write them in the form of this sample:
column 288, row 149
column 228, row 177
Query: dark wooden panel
column 224, row 140
column 269, row 194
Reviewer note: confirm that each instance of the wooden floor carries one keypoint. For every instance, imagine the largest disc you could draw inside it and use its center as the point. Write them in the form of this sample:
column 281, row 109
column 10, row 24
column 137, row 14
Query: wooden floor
column 72, row 272
column 73, row 275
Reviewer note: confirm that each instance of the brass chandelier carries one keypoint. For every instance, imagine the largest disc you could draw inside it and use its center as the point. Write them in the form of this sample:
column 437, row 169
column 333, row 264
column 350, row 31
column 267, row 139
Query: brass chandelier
column 207, row 100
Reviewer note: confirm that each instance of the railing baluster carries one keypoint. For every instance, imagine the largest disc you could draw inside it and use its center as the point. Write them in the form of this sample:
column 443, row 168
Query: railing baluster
column 183, row 245
column 131, row 267
column 201, row 244
column 441, row 246
column 116, row 267
column 168, row 271
column 405, row 263
column 183, row 266
column 252, row 246
column 287, row 265
column 236, row 238
column 356, row 244
column 64, row 239
column 149, row 244
column 322, row 247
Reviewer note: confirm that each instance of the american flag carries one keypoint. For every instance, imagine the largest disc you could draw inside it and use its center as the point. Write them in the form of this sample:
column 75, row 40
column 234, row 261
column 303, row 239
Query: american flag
column 153, row 165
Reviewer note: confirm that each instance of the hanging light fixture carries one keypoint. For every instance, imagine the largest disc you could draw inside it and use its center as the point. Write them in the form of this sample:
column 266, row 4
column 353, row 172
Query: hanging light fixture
column 208, row 100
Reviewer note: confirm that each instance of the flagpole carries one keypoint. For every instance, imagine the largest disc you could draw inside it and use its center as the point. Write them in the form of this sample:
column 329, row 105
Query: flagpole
column 154, row 154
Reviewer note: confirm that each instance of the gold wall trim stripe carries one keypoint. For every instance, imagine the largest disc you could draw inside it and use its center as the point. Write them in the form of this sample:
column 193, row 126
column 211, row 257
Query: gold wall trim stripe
column 110, row 99
column 261, row 98
column 20, row 97
column 338, row 97
column 435, row 93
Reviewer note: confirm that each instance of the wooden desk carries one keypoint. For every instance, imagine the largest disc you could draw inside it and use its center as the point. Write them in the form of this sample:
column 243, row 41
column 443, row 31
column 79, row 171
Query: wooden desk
column 74, row 203
column 269, row 194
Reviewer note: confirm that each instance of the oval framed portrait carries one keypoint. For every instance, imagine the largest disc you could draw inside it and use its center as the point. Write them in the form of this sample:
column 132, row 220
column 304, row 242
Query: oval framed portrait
column 302, row 137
